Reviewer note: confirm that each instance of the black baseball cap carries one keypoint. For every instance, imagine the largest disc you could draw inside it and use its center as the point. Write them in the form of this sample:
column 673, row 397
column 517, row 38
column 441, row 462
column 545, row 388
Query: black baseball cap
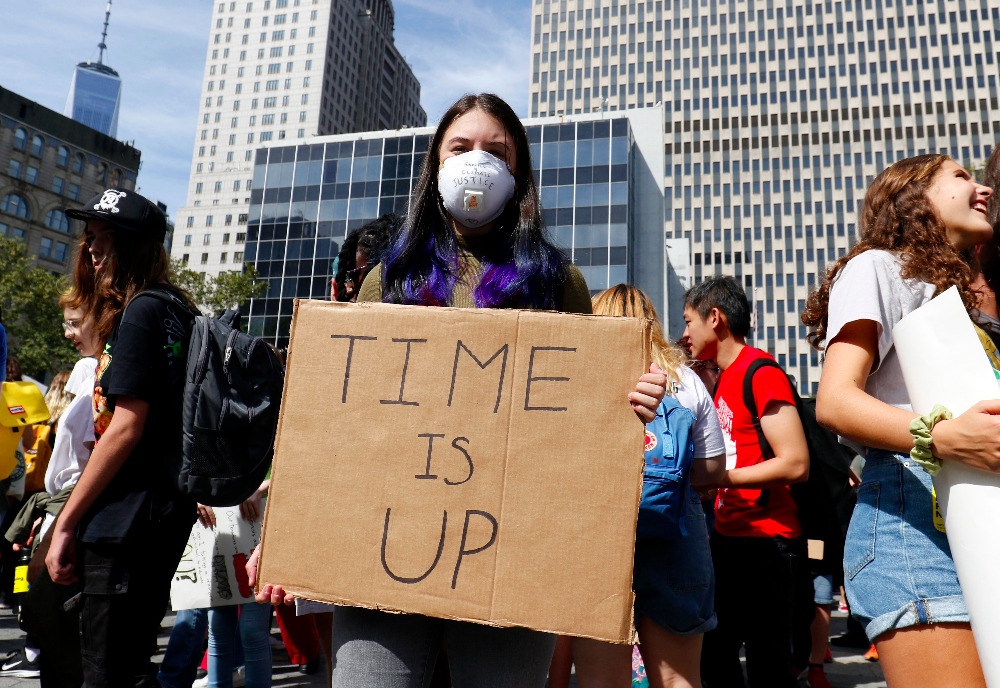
column 126, row 210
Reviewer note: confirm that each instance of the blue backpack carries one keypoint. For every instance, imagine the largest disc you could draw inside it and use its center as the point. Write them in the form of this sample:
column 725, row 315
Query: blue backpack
column 666, row 482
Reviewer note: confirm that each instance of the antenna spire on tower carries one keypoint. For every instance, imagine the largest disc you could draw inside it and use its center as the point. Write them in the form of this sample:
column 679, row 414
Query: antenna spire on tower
column 104, row 34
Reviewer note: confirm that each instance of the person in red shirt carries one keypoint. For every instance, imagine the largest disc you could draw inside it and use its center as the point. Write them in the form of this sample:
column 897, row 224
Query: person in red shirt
column 758, row 549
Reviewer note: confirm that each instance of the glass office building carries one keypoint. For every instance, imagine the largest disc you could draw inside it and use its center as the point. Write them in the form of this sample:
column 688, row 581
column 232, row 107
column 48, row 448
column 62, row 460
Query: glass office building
column 596, row 183
column 95, row 97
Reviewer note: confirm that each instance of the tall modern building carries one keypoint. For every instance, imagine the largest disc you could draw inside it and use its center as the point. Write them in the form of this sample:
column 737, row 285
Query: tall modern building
column 777, row 115
column 600, row 180
column 95, row 94
column 283, row 71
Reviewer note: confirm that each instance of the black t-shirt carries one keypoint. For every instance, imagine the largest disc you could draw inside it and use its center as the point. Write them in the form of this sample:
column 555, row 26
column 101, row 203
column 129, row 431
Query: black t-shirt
column 144, row 359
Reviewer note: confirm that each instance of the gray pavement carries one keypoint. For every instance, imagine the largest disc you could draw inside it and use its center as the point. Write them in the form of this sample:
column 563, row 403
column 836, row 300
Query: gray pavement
column 848, row 670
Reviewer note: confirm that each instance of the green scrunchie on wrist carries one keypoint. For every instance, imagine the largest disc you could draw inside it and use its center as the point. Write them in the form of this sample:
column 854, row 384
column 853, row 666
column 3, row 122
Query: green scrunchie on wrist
column 921, row 428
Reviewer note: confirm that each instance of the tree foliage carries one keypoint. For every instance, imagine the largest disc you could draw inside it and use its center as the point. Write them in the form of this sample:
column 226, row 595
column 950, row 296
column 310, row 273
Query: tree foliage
column 215, row 294
column 29, row 297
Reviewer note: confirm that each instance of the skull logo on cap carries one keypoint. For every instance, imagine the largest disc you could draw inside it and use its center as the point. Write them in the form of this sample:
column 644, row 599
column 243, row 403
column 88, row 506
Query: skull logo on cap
column 109, row 201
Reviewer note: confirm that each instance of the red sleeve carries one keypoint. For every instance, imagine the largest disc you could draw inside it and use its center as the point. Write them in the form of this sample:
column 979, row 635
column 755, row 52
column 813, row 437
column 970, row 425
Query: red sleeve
column 771, row 384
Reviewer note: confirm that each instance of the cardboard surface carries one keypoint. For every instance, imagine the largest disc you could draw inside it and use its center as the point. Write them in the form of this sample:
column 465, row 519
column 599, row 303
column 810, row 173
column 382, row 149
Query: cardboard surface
column 212, row 571
column 471, row 464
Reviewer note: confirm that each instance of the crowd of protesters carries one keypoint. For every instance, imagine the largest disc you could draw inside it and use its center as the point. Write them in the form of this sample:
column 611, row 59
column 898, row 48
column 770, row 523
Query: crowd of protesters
column 105, row 527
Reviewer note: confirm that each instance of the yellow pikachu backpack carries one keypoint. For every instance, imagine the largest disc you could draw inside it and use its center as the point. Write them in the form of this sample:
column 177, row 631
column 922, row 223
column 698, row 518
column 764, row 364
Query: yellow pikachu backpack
column 21, row 404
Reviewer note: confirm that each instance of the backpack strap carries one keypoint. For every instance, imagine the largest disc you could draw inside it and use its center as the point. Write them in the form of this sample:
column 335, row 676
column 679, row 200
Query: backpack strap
column 751, row 404
column 165, row 295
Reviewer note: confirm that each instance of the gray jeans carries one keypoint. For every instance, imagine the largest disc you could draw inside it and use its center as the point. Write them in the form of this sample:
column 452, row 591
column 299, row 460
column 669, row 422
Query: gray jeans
column 373, row 649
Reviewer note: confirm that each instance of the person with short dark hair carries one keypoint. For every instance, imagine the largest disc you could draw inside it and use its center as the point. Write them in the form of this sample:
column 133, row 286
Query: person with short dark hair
column 124, row 527
column 758, row 548
column 363, row 249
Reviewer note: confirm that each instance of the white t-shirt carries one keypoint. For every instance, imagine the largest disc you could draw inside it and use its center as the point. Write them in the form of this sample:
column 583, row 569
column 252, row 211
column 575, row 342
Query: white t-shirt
column 76, row 427
column 869, row 287
column 707, row 435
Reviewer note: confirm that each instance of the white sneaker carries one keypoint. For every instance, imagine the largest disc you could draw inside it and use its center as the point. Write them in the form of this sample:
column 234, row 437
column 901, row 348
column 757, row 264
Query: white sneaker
column 239, row 679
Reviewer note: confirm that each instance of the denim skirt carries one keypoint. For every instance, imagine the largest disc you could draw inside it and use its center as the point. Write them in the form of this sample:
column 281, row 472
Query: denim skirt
column 673, row 579
column 898, row 568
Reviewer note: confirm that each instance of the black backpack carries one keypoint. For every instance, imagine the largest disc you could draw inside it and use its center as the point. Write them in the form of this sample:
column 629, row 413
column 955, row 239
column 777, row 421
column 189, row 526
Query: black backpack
column 826, row 499
column 232, row 394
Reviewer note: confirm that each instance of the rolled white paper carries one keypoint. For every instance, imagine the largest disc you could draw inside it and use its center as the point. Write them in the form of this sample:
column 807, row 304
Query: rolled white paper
column 943, row 362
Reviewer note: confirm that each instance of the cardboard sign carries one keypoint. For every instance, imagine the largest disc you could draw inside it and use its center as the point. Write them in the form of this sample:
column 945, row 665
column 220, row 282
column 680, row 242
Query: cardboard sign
column 471, row 464
column 212, row 571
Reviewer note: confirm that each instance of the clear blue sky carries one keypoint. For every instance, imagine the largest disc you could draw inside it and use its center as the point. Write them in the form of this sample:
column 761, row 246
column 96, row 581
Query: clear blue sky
column 159, row 47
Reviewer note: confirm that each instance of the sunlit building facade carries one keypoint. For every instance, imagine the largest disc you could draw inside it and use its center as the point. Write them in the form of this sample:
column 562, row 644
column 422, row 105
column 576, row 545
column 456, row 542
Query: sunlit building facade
column 777, row 115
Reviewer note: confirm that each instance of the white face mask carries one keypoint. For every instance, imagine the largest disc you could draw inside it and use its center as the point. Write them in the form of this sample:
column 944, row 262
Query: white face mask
column 475, row 186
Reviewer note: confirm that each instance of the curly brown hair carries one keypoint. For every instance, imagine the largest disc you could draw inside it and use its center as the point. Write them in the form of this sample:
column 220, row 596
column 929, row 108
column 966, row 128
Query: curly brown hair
column 897, row 216
column 135, row 263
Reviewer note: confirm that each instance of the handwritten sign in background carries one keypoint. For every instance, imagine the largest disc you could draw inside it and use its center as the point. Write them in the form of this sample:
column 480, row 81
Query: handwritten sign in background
column 471, row 464
column 212, row 572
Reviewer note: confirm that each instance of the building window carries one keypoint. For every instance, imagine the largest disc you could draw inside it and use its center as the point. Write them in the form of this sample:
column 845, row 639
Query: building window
column 37, row 145
column 207, row 239
column 222, row 258
column 20, row 139
column 241, row 236
column 102, row 174
column 78, row 163
column 198, row 187
column 187, row 238
column 73, row 192
column 229, row 222
column 56, row 219
column 62, row 157
column 190, row 221
column 58, row 184
column 31, row 176
column 45, row 248
column 14, row 169
column 62, row 249
column 15, row 205
column 204, row 258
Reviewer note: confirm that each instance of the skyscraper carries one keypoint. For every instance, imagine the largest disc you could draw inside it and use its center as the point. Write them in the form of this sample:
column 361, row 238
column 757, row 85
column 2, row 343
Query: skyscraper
column 95, row 94
column 778, row 113
column 283, row 70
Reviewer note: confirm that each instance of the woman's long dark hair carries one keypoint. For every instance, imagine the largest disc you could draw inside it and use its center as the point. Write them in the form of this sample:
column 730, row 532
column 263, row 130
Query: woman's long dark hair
column 521, row 268
column 989, row 255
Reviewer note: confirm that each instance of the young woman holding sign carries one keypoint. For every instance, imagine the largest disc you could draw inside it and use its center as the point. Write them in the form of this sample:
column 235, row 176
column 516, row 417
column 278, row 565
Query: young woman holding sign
column 918, row 216
column 466, row 247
